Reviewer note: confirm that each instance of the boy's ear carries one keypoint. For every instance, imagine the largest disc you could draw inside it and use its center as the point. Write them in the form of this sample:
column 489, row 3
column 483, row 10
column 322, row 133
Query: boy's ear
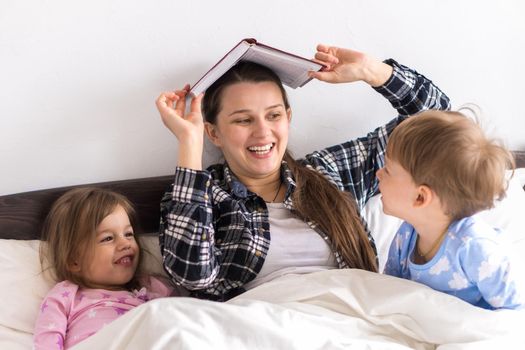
column 424, row 196
column 289, row 114
column 211, row 131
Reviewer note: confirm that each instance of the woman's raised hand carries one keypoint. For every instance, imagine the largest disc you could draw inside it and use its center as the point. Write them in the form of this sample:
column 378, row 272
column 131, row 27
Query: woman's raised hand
column 345, row 66
column 187, row 127
column 172, row 108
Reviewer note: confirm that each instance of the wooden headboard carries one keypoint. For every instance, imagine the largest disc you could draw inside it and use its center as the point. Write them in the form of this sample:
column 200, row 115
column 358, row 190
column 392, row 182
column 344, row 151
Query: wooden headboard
column 22, row 214
column 519, row 156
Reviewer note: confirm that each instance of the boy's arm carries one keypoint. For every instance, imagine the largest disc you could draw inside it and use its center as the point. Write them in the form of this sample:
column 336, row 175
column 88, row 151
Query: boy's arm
column 487, row 264
column 394, row 261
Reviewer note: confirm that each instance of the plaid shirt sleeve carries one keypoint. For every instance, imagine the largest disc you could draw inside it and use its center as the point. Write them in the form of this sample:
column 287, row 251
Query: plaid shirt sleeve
column 352, row 166
column 186, row 233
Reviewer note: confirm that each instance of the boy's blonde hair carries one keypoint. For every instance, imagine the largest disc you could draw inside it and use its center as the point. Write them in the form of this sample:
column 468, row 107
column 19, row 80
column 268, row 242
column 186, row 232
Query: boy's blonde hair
column 450, row 153
column 70, row 229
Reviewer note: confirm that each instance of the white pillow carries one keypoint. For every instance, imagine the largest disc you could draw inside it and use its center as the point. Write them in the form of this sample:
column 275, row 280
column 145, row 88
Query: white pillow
column 23, row 288
column 383, row 227
column 507, row 214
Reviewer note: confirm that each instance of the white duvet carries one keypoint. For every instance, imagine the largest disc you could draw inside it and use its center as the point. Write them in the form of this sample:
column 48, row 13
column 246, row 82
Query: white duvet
column 336, row 309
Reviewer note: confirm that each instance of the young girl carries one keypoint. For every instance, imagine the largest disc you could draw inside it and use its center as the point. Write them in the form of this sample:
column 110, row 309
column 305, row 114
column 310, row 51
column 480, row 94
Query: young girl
column 440, row 170
column 89, row 244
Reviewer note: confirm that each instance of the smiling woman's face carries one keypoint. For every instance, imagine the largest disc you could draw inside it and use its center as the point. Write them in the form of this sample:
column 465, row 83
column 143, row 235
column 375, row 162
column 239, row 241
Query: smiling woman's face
column 252, row 129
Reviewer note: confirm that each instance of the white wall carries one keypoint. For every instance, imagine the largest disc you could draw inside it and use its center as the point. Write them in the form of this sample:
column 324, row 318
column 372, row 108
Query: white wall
column 78, row 79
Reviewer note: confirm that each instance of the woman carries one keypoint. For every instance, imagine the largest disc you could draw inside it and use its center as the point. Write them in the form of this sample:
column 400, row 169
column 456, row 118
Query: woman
column 263, row 214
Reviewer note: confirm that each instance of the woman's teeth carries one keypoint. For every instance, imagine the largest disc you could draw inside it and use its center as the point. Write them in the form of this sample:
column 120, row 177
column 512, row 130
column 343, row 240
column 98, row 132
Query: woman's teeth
column 261, row 149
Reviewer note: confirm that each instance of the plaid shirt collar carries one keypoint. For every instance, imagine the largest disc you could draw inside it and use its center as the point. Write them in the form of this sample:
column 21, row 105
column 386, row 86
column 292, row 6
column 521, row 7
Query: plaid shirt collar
column 233, row 185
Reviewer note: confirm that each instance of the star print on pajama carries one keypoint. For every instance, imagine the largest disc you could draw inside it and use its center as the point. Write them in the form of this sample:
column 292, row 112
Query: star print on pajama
column 70, row 314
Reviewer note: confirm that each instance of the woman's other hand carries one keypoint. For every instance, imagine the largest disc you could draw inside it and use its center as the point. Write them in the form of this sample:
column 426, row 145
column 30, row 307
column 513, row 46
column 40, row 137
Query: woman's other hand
column 345, row 66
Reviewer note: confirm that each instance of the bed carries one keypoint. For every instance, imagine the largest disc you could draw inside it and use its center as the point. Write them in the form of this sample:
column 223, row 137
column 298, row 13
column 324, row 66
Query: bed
column 335, row 309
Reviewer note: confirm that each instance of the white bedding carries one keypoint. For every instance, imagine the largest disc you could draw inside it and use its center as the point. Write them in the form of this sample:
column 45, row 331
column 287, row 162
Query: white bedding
column 327, row 310
column 336, row 309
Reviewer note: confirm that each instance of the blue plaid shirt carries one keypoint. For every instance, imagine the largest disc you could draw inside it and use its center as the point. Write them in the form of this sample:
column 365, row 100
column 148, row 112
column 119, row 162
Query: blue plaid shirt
column 215, row 233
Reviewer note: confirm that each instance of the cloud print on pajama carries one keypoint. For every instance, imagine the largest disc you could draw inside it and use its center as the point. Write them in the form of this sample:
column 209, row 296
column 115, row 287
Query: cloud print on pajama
column 471, row 264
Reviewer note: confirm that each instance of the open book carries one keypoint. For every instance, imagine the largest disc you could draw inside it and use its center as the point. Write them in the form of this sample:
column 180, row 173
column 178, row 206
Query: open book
column 291, row 69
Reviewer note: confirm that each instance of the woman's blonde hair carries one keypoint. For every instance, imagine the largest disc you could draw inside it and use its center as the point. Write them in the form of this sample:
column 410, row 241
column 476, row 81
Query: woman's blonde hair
column 69, row 230
column 315, row 198
column 451, row 154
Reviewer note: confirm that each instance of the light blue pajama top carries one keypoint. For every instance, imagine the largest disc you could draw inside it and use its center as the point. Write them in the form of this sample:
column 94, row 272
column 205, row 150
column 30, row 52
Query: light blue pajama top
column 472, row 263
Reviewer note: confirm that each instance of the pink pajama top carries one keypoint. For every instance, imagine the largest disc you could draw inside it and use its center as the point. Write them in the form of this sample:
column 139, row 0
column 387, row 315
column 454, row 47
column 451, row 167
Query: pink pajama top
column 70, row 313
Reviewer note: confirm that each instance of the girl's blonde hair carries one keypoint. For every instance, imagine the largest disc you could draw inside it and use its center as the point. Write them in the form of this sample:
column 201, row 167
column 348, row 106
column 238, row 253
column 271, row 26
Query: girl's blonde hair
column 69, row 230
column 450, row 153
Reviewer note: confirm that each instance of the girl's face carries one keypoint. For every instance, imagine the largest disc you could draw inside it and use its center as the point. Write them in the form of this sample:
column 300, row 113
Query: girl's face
column 252, row 129
column 115, row 255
